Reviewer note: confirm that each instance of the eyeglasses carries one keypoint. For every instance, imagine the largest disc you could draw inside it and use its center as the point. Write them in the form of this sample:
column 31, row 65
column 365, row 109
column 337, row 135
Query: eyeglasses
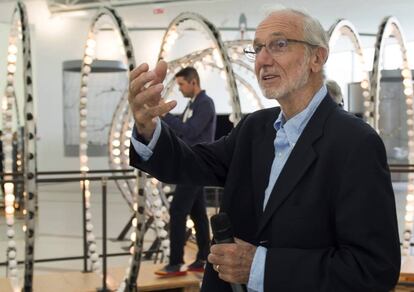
column 274, row 46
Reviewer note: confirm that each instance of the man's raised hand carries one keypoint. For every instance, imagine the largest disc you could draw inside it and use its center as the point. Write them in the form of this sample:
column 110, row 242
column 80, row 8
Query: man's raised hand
column 144, row 97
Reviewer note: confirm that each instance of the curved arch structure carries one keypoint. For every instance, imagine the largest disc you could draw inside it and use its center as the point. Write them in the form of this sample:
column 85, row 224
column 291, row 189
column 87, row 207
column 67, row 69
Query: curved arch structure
column 204, row 57
column 390, row 27
column 346, row 28
column 118, row 147
column 139, row 196
column 171, row 35
column 121, row 127
column 20, row 33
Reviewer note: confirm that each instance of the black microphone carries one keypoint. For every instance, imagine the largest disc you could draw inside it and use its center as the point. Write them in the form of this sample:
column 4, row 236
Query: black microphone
column 223, row 233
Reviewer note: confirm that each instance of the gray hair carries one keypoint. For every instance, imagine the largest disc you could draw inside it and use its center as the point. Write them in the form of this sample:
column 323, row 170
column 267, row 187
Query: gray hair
column 335, row 91
column 313, row 32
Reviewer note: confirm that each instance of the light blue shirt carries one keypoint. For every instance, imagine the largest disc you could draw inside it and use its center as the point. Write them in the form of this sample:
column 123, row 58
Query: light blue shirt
column 145, row 151
column 287, row 134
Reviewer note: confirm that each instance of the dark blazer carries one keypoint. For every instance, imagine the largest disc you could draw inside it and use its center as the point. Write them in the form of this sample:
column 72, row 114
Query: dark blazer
column 330, row 223
column 201, row 126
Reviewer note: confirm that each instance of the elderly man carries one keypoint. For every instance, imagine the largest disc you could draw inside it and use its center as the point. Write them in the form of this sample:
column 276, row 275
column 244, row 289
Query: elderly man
column 306, row 185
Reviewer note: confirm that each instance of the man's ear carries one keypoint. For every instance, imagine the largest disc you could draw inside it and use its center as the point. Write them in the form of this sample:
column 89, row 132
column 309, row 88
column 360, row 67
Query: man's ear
column 318, row 59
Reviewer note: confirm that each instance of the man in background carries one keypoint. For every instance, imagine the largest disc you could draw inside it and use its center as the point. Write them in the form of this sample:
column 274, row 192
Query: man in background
column 197, row 124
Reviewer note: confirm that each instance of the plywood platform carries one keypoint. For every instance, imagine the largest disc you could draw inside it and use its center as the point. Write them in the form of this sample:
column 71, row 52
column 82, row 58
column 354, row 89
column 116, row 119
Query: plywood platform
column 88, row 282
column 148, row 281
column 5, row 285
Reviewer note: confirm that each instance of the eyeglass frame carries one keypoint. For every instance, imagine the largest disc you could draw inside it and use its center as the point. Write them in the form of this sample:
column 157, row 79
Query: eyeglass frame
column 250, row 53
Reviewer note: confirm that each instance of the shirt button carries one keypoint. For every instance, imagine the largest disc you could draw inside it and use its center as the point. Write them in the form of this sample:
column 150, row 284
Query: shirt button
column 279, row 154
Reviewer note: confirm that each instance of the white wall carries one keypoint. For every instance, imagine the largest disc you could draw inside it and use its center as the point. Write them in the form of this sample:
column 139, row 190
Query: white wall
column 55, row 40
column 59, row 38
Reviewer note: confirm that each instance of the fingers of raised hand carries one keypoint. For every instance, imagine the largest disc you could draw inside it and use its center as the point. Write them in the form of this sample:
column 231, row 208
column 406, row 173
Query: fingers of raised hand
column 161, row 70
column 138, row 71
column 150, row 96
column 141, row 78
column 160, row 109
column 148, row 112
column 141, row 83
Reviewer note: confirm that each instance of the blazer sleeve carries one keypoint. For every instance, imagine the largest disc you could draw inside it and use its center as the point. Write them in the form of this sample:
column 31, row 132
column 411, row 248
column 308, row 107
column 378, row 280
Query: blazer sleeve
column 174, row 161
column 366, row 257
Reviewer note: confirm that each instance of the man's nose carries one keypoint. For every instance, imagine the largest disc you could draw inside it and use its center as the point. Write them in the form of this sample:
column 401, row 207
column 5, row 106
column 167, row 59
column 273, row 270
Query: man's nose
column 264, row 57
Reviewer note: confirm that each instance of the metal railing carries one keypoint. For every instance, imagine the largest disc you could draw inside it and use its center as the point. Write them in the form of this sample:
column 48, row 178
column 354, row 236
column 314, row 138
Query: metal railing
column 82, row 177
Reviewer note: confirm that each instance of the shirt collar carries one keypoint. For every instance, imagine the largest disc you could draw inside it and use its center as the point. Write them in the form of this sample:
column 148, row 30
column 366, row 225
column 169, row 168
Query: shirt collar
column 295, row 125
column 202, row 92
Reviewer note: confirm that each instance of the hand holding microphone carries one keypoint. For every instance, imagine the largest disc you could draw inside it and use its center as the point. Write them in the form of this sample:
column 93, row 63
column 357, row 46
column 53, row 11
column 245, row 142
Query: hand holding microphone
column 231, row 258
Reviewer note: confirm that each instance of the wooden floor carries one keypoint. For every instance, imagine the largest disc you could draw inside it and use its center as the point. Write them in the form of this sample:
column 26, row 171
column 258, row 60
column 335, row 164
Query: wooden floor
column 148, row 281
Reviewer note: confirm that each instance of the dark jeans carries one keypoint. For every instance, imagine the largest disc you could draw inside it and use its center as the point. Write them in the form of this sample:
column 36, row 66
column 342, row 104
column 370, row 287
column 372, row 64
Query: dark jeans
column 188, row 200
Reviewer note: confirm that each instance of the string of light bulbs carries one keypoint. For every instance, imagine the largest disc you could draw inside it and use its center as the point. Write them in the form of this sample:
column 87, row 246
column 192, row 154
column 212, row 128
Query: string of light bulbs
column 345, row 28
column 19, row 37
column 139, row 196
column 390, row 27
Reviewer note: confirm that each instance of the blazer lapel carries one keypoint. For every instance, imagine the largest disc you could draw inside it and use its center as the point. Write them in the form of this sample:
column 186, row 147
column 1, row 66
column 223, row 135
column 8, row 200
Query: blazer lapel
column 300, row 159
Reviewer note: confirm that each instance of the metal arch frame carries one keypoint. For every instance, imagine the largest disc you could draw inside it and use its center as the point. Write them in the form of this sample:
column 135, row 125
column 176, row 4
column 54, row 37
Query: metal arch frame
column 122, row 107
column 215, row 36
column 30, row 167
column 121, row 124
column 198, row 56
column 115, row 145
column 139, row 201
column 170, row 83
column 346, row 28
column 390, row 26
column 122, row 117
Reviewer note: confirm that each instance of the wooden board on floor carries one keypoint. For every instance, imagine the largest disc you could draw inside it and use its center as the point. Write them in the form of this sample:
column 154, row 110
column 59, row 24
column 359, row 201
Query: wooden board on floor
column 148, row 281
column 407, row 269
column 75, row 281
column 403, row 289
column 5, row 285
column 88, row 282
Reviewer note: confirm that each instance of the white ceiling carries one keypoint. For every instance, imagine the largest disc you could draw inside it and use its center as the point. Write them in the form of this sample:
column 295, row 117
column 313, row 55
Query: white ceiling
column 365, row 15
